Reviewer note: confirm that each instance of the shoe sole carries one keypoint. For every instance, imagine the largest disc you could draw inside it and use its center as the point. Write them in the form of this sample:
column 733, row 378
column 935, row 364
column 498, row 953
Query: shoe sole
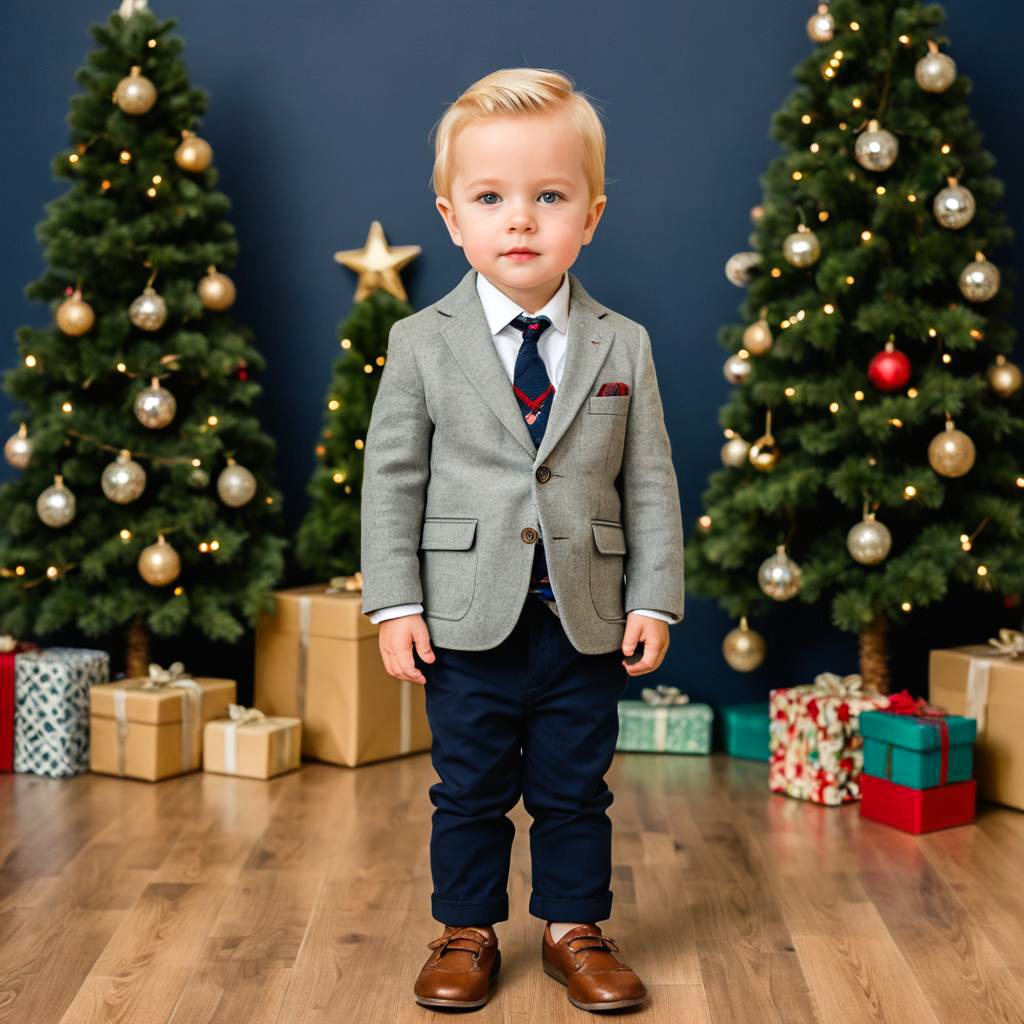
column 617, row 1004
column 466, row 1004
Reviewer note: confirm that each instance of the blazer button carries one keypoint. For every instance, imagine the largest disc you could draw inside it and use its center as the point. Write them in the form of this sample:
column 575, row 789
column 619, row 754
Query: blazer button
column 543, row 474
column 529, row 534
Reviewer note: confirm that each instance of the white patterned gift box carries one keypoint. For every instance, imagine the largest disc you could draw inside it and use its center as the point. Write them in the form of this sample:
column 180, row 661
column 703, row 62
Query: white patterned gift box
column 664, row 722
column 51, row 718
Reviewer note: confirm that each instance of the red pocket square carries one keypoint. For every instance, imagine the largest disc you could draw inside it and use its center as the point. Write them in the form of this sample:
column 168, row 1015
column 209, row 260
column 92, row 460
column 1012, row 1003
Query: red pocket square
column 616, row 387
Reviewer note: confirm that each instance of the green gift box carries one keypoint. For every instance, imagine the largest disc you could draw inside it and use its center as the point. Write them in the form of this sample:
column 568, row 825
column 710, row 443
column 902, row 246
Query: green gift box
column 664, row 722
column 908, row 750
column 746, row 730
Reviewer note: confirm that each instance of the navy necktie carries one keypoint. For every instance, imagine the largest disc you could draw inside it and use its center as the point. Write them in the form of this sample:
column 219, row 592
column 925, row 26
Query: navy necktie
column 534, row 392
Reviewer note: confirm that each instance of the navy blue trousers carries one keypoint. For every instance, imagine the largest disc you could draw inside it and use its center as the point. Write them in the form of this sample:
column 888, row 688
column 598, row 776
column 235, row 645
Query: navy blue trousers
column 531, row 718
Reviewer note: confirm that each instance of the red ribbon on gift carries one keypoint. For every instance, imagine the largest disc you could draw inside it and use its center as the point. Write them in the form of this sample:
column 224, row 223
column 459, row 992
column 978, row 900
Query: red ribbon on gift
column 903, row 703
column 7, row 703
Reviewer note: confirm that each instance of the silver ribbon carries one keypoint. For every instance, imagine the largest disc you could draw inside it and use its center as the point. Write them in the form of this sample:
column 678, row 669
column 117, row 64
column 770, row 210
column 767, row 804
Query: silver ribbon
column 241, row 716
column 662, row 697
column 305, row 614
column 831, row 685
column 129, row 7
column 1009, row 643
column 191, row 708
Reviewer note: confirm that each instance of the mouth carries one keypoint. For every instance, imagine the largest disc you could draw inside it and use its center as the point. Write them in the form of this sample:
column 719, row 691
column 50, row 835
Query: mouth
column 520, row 254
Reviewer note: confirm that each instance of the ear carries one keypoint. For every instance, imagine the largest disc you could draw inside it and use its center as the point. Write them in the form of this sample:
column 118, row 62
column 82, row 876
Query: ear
column 447, row 212
column 593, row 216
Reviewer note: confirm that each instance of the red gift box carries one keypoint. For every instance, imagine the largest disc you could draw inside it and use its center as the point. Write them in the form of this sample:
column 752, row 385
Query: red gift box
column 917, row 810
column 8, row 699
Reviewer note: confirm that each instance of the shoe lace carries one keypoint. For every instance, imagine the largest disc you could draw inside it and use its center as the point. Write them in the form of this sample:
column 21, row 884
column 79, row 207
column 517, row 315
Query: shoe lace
column 602, row 942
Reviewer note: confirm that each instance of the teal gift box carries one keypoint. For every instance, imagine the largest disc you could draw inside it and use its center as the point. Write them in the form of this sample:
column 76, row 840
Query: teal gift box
column 907, row 750
column 664, row 722
column 746, row 729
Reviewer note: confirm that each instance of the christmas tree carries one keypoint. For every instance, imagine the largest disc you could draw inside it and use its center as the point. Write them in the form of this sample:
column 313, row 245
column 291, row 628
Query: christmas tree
column 145, row 502
column 329, row 537
column 873, row 437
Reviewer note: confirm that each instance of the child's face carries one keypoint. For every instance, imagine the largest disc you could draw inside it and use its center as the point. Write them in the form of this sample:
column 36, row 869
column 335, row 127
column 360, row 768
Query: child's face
column 518, row 183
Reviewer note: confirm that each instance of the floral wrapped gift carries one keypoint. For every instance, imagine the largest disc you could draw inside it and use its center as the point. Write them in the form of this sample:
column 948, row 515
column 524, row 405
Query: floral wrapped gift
column 51, row 717
column 664, row 722
column 817, row 752
column 249, row 743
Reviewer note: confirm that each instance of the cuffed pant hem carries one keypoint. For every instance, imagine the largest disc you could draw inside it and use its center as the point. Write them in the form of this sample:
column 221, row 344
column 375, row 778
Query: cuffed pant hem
column 585, row 910
column 466, row 912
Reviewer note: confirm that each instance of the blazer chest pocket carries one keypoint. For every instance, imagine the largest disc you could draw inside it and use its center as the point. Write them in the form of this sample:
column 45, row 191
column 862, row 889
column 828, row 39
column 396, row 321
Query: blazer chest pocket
column 616, row 405
column 606, row 568
column 603, row 432
column 448, row 566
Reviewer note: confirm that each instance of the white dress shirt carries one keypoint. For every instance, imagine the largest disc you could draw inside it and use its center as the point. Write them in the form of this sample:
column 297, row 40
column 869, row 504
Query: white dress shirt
column 499, row 311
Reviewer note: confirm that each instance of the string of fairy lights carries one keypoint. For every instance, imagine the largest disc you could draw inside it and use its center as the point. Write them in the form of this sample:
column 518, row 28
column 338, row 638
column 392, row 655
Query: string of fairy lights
column 951, row 453
column 155, row 407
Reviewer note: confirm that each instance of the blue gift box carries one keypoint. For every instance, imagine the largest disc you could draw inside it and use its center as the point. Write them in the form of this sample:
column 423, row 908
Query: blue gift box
column 746, row 730
column 907, row 750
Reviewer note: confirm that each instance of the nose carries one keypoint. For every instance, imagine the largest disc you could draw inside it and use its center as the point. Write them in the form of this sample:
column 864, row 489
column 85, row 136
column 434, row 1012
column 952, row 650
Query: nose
column 520, row 217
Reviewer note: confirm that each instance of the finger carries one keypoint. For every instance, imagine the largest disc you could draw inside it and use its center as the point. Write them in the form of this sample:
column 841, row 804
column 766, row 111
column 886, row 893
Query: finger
column 631, row 637
column 409, row 670
column 423, row 648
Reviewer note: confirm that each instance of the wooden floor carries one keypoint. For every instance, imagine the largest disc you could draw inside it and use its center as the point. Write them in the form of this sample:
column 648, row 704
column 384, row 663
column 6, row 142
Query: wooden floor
column 306, row 899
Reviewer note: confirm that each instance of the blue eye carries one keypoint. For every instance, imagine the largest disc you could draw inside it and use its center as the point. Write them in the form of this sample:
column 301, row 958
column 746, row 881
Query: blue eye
column 559, row 194
column 482, row 194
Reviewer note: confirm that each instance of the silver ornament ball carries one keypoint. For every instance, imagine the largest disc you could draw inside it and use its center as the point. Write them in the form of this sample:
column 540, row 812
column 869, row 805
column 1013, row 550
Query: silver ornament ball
column 979, row 281
column 876, row 149
column 738, row 267
column 18, row 448
column 159, row 564
column 155, row 406
column 736, row 369
column 951, row 452
column 935, row 72
column 869, row 540
column 779, row 575
column 56, row 505
column 757, row 338
column 821, row 26
column 135, row 93
column 123, row 480
column 149, row 311
column 954, row 207
column 734, row 452
column 236, row 485
column 743, row 648
column 802, row 248
column 1004, row 377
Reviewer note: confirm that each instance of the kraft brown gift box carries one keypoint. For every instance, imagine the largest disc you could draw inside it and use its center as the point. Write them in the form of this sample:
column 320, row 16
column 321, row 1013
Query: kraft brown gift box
column 317, row 658
column 978, row 681
column 251, row 744
column 153, row 733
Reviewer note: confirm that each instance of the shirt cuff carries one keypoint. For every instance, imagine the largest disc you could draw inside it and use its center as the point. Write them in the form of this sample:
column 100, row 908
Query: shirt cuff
column 664, row 616
column 393, row 611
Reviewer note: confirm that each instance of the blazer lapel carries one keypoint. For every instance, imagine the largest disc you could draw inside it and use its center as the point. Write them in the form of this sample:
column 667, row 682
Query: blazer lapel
column 466, row 333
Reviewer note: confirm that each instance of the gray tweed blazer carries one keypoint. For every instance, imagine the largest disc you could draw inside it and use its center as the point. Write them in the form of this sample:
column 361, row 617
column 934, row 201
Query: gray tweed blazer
column 455, row 494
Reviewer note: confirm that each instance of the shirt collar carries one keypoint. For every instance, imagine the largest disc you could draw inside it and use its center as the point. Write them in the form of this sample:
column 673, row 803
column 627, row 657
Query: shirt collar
column 499, row 309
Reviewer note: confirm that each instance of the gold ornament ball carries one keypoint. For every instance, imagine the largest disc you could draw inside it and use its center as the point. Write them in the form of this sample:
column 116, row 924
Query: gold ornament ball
column 159, row 564
column 18, row 449
column 743, row 648
column 739, row 266
column 736, row 369
column 193, row 153
column 236, row 485
column 148, row 311
column 869, row 540
column 935, row 72
column 123, row 480
column 764, row 453
column 979, row 281
column 734, row 452
column 217, row 290
column 75, row 316
column 802, row 248
column 779, row 575
column 757, row 338
column 135, row 93
column 56, row 505
column 821, row 26
column 155, row 406
column 876, row 149
column 951, row 452
column 954, row 207
column 1003, row 376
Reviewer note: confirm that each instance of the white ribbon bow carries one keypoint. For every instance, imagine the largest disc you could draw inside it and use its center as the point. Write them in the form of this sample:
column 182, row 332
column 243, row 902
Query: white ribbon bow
column 161, row 677
column 832, row 685
column 129, row 7
column 1010, row 642
column 662, row 694
column 7, row 643
column 241, row 714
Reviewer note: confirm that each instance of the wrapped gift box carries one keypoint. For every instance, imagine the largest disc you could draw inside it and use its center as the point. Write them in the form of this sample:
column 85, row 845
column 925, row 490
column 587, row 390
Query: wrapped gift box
column 10, row 648
column 152, row 727
column 746, row 730
column 318, row 659
column 917, row 810
column 917, row 752
column 816, row 748
column 986, row 682
column 51, row 716
column 664, row 722
column 249, row 743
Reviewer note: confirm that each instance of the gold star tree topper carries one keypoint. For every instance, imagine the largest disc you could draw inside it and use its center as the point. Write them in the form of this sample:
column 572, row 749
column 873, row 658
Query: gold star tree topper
column 377, row 263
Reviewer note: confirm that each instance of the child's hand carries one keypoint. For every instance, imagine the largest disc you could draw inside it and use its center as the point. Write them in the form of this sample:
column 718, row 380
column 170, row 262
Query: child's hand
column 397, row 637
column 653, row 633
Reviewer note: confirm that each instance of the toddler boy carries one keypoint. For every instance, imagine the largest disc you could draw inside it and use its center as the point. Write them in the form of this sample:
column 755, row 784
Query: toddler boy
column 517, row 467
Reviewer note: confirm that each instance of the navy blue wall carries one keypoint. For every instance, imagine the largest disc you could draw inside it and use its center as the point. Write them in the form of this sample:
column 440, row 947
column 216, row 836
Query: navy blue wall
column 319, row 115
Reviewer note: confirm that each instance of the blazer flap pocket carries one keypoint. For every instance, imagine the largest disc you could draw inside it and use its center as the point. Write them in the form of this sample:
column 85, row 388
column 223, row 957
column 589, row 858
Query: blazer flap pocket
column 615, row 404
column 609, row 537
column 448, row 534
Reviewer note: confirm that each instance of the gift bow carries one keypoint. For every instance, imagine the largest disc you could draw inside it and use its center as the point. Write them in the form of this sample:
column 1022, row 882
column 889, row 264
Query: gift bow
column 903, row 703
column 241, row 714
column 161, row 677
column 7, row 643
column 1010, row 642
column 835, row 686
column 662, row 694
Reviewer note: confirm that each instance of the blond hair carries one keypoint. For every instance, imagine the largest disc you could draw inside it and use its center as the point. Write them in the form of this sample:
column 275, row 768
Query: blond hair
column 511, row 92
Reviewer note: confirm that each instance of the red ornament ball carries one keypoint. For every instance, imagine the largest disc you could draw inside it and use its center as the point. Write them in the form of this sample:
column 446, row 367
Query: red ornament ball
column 889, row 370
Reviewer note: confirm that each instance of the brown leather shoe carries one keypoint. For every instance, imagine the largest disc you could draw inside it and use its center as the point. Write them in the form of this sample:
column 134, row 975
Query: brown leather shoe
column 597, row 979
column 461, row 970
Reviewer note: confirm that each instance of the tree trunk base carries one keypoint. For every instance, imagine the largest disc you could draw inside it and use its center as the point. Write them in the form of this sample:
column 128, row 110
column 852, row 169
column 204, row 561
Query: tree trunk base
column 874, row 655
column 136, row 649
